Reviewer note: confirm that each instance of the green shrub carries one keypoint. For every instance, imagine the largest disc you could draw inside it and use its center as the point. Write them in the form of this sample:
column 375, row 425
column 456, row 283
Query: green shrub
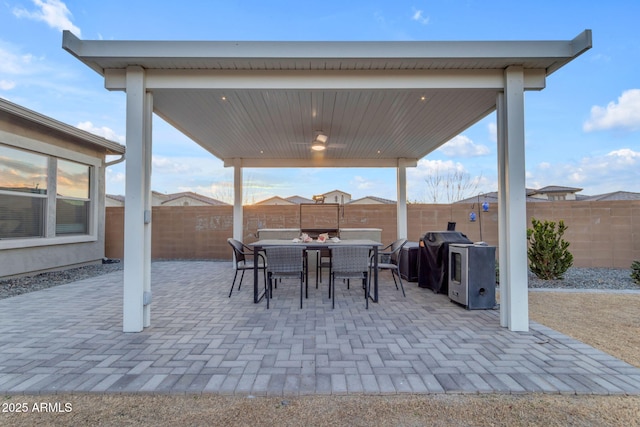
column 548, row 255
column 635, row 271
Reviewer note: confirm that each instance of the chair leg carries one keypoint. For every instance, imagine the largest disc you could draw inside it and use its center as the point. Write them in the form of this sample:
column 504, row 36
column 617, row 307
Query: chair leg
column 394, row 279
column 400, row 280
column 267, row 290
column 365, row 283
column 301, row 276
column 233, row 283
column 264, row 274
column 332, row 291
column 241, row 277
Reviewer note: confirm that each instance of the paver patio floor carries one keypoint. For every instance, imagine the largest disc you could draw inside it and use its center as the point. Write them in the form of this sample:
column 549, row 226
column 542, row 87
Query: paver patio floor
column 69, row 339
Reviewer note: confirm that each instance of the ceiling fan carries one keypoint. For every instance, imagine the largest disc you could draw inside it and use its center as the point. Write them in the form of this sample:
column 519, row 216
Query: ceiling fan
column 320, row 142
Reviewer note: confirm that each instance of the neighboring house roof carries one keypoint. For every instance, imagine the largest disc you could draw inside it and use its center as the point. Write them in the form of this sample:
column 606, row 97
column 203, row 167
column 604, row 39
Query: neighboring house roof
column 373, row 200
column 492, row 197
column 196, row 196
column 298, row 199
column 108, row 146
column 166, row 198
column 616, row 195
column 556, row 189
column 116, row 197
column 275, row 200
column 159, row 195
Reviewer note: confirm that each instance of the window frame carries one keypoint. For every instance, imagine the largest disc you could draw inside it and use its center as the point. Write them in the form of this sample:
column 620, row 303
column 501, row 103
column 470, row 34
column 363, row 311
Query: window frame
column 54, row 153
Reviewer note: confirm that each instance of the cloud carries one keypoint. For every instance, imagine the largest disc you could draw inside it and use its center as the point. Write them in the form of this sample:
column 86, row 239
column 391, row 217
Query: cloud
column 171, row 166
column 103, row 131
column 463, row 146
column 15, row 63
column 362, row 183
column 53, row 12
column 7, row 84
column 418, row 16
column 618, row 170
column 625, row 114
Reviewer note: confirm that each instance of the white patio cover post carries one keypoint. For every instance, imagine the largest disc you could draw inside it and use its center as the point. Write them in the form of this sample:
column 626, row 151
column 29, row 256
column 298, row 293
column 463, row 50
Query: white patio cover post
column 401, row 207
column 135, row 242
column 513, row 226
column 147, row 208
column 502, row 211
column 238, row 218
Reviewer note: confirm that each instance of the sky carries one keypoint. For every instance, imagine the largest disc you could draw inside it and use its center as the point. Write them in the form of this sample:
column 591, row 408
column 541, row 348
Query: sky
column 582, row 130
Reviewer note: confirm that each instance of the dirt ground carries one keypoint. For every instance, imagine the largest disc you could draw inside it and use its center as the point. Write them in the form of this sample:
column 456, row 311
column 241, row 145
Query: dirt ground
column 610, row 322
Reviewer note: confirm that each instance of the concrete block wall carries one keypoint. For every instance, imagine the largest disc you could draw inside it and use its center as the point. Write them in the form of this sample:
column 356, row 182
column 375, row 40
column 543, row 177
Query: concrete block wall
column 602, row 234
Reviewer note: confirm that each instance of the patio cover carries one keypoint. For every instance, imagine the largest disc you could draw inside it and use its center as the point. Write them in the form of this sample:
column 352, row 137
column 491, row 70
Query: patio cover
column 381, row 104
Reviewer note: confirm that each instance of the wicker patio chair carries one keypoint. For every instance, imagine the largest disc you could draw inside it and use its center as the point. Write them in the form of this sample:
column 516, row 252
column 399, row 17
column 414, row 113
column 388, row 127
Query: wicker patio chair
column 349, row 262
column 243, row 258
column 323, row 260
column 389, row 259
column 284, row 262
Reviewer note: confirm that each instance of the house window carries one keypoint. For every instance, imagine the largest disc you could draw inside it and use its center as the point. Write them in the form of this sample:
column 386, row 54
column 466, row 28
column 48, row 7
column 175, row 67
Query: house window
column 37, row 187
column 72, row 198
column 23, row 193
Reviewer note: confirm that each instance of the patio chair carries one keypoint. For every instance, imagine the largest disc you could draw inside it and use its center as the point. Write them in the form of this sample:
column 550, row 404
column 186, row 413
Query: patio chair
column 389, row 259
column 243, row 256
column 349, row 262
column 284, row 262
column 323, row 260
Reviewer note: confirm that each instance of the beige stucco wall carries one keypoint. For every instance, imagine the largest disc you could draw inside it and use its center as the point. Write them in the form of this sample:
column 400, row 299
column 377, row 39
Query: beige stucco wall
column 41, row 258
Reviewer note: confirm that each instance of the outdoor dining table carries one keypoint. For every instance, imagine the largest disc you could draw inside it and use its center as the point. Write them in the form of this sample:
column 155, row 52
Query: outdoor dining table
column 312, row 245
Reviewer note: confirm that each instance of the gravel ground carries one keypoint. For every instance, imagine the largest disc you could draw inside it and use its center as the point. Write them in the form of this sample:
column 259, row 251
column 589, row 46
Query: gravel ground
column 589, row 278
column 575, row 278
column 24, row 284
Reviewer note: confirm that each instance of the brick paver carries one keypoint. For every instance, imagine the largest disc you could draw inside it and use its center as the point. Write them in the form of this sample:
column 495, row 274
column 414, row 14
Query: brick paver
column 69, row 339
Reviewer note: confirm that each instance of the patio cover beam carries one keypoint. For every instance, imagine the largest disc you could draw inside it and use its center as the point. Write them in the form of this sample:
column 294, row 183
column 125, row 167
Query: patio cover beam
column 115, row 79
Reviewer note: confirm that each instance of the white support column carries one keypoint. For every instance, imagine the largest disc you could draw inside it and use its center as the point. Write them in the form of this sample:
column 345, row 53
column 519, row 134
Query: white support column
column 147, row 208
column 516, row 208
column 503, row 242
column 238, row 218
column 134, row 235
column 402, row 202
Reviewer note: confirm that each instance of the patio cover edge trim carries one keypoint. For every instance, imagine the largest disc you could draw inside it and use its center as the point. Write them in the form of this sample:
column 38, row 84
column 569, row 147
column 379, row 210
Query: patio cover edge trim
column 92, row 52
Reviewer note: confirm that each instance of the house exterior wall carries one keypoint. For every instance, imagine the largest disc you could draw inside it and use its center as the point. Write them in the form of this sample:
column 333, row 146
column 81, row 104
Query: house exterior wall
column 337, row 196
column 22, row 260
column 109, row 202
column 602, row 234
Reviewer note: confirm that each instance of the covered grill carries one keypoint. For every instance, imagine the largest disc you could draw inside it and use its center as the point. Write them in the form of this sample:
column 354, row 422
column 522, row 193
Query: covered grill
column 433, row 259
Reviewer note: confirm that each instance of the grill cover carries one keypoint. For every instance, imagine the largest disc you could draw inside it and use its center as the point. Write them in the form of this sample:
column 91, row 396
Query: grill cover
column 433, row 261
